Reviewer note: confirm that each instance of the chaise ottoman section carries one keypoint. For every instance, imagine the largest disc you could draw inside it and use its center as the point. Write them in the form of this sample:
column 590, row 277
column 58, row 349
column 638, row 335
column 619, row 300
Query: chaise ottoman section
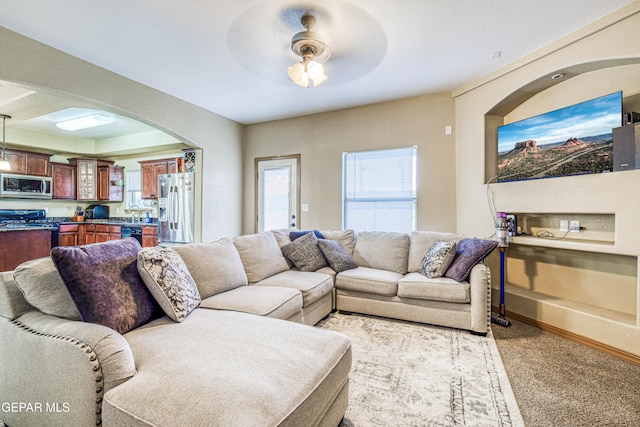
column 232, row 369
column 276, row 302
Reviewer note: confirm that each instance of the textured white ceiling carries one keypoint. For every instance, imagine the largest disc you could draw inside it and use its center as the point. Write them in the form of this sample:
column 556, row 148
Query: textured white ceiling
column 230, row 56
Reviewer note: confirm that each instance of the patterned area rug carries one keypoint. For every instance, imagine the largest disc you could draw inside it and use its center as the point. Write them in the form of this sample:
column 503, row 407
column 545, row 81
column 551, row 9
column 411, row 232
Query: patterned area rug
column 408, row 374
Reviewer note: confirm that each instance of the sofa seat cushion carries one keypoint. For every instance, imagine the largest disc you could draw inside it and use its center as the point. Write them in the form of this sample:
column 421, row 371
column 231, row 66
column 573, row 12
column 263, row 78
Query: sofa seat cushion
column 281, row 303
column 415, row 285
column 370, row 280
column 312, row 285
column 226, row 368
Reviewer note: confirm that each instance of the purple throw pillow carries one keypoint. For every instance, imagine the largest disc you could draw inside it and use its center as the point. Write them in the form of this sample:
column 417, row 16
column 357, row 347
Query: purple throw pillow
column 469, row 252
column 105, row 285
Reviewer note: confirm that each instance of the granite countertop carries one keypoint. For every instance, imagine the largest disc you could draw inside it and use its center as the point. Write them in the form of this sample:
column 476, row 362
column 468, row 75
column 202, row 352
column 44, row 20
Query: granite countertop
column 28, row 227
column 53, row 225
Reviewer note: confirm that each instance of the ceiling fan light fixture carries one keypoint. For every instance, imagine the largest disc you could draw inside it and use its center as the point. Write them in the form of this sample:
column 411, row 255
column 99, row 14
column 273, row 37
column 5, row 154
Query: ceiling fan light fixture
column 4, row 162
column 313, row 51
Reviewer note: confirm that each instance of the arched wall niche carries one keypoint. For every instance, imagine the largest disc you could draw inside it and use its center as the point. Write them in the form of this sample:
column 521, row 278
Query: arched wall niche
column 580, row 82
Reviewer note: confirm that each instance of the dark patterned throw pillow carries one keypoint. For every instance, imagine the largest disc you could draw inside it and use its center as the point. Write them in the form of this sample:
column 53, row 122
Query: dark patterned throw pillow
column 169, row 281
column 304, row 253
column 338, row 259
column 104, row 282
column 437, row 259
column 469, row 252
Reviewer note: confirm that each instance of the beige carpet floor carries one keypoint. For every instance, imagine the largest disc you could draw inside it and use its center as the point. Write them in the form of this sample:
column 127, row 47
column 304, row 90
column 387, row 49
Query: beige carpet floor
column 409, row 374
column 558, row 382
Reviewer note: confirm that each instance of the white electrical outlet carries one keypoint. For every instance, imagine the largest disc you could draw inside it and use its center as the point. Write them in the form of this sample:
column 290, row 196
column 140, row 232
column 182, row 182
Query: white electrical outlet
column 564, row 225
column 574, row 225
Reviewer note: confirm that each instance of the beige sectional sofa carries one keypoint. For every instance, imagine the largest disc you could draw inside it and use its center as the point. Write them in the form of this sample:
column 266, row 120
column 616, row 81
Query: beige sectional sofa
column 231, row 360
column 220, row 353
column 387, row 283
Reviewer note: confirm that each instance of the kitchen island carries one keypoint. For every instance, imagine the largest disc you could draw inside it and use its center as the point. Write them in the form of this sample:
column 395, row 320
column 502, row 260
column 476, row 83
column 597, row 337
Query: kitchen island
column 24, row 241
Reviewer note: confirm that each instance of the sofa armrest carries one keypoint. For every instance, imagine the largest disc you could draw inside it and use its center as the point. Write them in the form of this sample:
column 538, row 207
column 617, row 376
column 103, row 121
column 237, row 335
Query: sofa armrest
column 61, row 368
column 480, row 281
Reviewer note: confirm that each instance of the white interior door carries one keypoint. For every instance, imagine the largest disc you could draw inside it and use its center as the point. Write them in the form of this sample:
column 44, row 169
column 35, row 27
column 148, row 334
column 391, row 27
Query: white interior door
column 277, row 193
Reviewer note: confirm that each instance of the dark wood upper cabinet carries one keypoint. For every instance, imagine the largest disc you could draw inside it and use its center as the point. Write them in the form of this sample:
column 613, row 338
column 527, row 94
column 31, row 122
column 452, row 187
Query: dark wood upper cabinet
column 38, row 164
column 149, row 170
column 64, row 181
column 110, row 182
column 28, row 163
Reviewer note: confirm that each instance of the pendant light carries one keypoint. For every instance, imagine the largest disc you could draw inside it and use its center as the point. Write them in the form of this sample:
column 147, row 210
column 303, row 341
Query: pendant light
column 4, row 163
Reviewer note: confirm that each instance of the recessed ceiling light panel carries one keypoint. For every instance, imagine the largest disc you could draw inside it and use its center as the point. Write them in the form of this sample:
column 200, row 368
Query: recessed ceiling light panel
column 85, row 122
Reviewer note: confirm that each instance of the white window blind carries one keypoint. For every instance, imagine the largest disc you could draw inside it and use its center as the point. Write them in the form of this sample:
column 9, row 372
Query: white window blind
column 134, row 189
column 379, row 189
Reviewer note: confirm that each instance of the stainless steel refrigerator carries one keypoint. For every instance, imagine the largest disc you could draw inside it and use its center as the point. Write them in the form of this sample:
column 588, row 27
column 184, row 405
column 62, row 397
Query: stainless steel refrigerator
column 176, row 208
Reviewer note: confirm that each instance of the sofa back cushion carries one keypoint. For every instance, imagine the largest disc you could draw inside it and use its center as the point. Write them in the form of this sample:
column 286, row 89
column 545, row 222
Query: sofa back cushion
column 104, row 282
column 44, row 289
column 422, row 241
column 382, row 250
column 215, row 267
column 12, row 302
column 347, row 238
column 261, row 256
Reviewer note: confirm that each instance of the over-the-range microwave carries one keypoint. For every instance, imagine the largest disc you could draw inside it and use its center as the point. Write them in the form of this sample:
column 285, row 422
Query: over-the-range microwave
column 25, row 186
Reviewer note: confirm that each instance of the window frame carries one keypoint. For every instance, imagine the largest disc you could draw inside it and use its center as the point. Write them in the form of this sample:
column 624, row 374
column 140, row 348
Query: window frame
column 413, row 199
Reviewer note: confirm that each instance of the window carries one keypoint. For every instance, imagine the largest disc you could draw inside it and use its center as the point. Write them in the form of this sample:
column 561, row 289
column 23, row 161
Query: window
column 134, row 189
column 379, row 190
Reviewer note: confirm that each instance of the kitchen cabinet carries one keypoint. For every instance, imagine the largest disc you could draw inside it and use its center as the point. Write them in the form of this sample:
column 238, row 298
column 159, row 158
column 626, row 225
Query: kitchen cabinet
column 64, row 181
column 29, row 163
column 20, row 246
column 68, row 235
column 96, row 233
column 149, row 236
column 38, row 164
column 150, row 169
column 98, row 180
column 87, row 178
column 110, row 182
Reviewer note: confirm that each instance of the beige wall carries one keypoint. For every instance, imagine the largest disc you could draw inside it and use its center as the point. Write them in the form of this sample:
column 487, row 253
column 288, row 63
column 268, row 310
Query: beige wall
column 33, row 64
column 588, row 289
column 321, row 139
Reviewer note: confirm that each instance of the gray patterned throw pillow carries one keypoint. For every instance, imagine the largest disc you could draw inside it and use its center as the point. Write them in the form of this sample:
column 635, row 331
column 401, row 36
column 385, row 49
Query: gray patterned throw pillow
column 304, row 253
column 168, row 279
column 437, row 259
column 338, row 259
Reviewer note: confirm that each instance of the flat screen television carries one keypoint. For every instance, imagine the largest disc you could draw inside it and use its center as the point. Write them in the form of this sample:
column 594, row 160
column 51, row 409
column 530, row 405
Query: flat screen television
column 573, row 140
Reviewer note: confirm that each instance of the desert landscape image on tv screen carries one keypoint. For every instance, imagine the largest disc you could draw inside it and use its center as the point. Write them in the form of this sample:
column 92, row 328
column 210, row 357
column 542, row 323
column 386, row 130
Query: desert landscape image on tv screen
column 574, row 140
